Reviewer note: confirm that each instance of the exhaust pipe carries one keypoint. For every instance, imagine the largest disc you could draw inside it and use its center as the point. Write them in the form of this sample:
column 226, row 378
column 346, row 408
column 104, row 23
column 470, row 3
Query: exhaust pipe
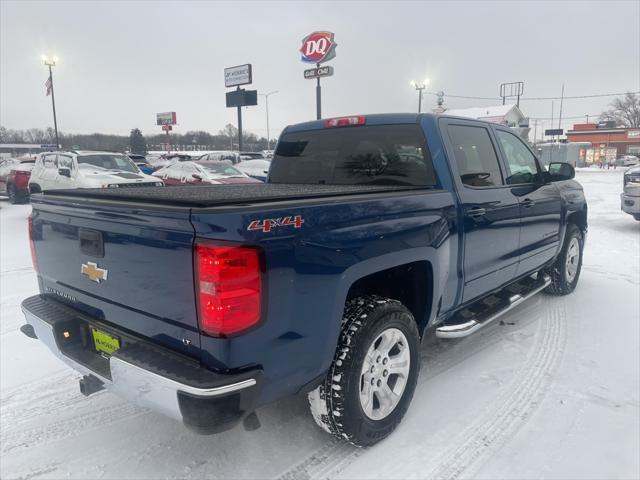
column 90, row 384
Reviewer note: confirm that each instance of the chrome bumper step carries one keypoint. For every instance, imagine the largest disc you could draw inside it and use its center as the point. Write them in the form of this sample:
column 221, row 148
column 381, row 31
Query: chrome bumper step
column 488, row 309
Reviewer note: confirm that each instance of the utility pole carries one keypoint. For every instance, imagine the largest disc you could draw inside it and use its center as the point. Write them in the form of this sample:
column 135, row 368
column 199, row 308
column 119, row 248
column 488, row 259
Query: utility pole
column 52, row 63
column 266, row 102
column 561, row 101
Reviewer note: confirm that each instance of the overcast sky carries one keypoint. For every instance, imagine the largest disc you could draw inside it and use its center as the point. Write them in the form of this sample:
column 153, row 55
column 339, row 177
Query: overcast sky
column 122, row 62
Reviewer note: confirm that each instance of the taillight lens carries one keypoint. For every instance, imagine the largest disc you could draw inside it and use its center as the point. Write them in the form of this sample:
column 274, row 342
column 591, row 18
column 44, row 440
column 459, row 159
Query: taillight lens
column 345, row 121
column 228, row 281
column 32, row 245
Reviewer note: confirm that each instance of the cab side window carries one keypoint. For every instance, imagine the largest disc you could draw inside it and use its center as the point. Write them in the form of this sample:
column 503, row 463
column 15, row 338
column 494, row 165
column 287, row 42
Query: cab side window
column 49, row 161
column 65, row 162
column 475, row 156
column 521, row 163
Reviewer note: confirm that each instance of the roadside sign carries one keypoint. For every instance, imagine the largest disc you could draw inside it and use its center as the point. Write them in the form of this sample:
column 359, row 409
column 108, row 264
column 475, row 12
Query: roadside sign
column 318, row 47
column 242, row 98
column 167, row 128
column 319, row 72
column 238, row 75
column 166, row 118
column 554, row 131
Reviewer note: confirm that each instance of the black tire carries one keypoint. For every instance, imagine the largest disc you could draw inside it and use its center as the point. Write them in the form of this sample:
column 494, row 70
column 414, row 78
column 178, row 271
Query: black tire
column 11, row 193
column 335, row 404
column 562, row 283
column 34, row 188
column 637, row 217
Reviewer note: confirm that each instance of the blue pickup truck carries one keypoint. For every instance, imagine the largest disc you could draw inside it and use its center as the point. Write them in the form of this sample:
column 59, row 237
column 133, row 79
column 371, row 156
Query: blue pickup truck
column 204, row 303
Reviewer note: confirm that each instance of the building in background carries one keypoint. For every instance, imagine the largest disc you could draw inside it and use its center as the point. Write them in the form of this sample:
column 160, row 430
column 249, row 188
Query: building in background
column 606, row 142
column 509, row 115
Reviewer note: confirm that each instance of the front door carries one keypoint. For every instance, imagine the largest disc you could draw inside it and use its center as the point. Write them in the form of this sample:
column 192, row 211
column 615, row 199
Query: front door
column 491, row 212
column 540, row 203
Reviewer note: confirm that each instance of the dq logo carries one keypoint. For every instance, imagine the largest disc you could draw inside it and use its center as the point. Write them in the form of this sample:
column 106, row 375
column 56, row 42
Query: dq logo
column 318, row 47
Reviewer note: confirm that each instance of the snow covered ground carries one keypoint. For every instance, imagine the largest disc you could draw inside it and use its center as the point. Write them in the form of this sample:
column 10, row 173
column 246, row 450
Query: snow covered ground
column 553, row 391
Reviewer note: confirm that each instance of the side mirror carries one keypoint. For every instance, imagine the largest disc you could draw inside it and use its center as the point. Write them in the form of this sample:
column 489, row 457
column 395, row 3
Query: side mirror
column 559, row 171
column 65, row 172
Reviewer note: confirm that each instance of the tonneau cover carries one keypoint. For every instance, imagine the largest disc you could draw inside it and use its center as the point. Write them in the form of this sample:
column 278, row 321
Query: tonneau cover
column 213, row 195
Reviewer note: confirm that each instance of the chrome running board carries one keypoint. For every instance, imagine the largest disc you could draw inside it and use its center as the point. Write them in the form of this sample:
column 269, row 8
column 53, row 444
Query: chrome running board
column 528, row 288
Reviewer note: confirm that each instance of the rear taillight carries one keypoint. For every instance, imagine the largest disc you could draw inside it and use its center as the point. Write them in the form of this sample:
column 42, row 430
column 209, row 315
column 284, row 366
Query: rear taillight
column 345, row 121
column 228, row 283
column 32, row 244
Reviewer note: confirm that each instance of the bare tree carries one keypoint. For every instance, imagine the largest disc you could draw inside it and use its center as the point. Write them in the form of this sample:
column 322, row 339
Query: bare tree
column 624, row 111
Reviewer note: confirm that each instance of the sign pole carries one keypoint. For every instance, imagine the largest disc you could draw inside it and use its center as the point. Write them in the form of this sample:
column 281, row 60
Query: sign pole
column 318, row 98
column 239, row 127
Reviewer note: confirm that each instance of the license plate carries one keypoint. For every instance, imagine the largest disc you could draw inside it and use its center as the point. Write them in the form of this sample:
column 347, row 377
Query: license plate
column 104, row 342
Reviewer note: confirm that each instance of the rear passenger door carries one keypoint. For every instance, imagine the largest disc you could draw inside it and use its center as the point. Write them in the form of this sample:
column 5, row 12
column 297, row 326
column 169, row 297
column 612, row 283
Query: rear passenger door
column 540, row 202
column 491, row 212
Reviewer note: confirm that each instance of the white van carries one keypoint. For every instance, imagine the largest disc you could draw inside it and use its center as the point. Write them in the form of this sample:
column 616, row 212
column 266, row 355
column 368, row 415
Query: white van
column 87, row 169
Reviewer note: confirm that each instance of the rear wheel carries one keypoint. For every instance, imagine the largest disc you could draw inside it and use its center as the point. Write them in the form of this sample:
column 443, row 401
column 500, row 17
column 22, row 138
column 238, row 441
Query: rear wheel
column 565, row 272
column 11, row 193
column 373, row 376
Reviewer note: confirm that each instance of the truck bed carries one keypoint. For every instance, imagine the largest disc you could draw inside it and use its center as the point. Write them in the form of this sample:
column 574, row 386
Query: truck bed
column 215, row 195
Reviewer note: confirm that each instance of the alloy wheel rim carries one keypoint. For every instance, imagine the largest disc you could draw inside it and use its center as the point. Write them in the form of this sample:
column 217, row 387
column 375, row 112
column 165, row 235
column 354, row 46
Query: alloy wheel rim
column 385, row 372
column 573, row 259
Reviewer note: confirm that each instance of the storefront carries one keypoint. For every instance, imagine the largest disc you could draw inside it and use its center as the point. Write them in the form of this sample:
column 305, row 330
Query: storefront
column 607, row 143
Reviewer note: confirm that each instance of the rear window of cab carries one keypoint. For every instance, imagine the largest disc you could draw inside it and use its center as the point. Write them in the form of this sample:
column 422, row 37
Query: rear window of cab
column 394, row 155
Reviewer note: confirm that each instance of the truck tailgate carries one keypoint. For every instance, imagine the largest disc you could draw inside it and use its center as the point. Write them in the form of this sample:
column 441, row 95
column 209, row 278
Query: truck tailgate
column 129, row 266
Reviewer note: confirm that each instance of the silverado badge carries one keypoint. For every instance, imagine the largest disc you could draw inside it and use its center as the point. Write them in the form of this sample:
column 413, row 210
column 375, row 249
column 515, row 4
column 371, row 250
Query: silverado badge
column 94, row 273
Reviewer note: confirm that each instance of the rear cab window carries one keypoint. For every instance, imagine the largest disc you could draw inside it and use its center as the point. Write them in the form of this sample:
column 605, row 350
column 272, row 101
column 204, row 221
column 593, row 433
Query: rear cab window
column 394, row 155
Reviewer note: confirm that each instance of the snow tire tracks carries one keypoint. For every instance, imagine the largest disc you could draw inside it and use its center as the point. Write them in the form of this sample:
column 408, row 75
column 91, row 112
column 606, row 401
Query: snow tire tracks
column 326, row 462
column 512, row 409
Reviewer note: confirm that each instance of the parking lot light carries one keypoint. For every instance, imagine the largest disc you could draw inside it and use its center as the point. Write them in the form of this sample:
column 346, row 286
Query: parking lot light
column 419, row 87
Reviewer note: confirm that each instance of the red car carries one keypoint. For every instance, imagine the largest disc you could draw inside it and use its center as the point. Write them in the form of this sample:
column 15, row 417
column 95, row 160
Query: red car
column 202, row 173
column 14, row 178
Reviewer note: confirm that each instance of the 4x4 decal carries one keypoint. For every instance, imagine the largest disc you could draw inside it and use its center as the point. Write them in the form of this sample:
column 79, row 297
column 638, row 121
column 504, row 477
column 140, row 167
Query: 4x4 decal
column 270, row 223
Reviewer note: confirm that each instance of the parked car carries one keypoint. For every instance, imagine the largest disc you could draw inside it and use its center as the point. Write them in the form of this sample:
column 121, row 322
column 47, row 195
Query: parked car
column 14, row 178
column 205, row 303
column 219, row 156
column 630, row 196
column 628, row 161
column 86, row 169
column 201, row 173
column 251, row 155
column 258, row 169
column 141, row 162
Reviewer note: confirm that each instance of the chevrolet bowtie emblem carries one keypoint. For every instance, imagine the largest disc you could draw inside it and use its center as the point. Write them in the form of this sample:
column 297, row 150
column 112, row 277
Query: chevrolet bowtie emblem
column 94, row 273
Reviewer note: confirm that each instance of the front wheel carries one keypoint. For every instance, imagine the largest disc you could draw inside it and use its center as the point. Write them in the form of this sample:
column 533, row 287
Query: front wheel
column 371, row 381
column 565, row 272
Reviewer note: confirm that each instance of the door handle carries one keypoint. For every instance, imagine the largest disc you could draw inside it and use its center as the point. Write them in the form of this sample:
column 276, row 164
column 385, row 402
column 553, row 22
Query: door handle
column 528, row 203
column 476, row 212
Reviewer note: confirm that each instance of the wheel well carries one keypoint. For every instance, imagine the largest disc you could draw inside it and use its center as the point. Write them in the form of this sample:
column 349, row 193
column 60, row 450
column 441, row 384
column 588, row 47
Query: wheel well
column 579, row 218
column 410, row 283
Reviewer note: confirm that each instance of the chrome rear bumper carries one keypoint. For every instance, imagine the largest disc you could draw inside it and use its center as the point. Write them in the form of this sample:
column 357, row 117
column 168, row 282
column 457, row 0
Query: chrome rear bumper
column 149, row 389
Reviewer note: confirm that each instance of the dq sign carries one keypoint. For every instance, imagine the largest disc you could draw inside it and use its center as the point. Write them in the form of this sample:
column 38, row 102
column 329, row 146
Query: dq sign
column 318, row 47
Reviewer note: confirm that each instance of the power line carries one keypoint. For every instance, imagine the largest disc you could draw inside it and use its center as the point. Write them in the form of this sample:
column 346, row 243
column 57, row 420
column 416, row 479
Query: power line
column 468, row 97
column 566, row 118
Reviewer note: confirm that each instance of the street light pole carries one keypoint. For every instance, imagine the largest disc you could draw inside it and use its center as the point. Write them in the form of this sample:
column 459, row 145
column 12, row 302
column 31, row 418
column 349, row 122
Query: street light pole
column 420, row 87
column 52, row 63
column 266, row 101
